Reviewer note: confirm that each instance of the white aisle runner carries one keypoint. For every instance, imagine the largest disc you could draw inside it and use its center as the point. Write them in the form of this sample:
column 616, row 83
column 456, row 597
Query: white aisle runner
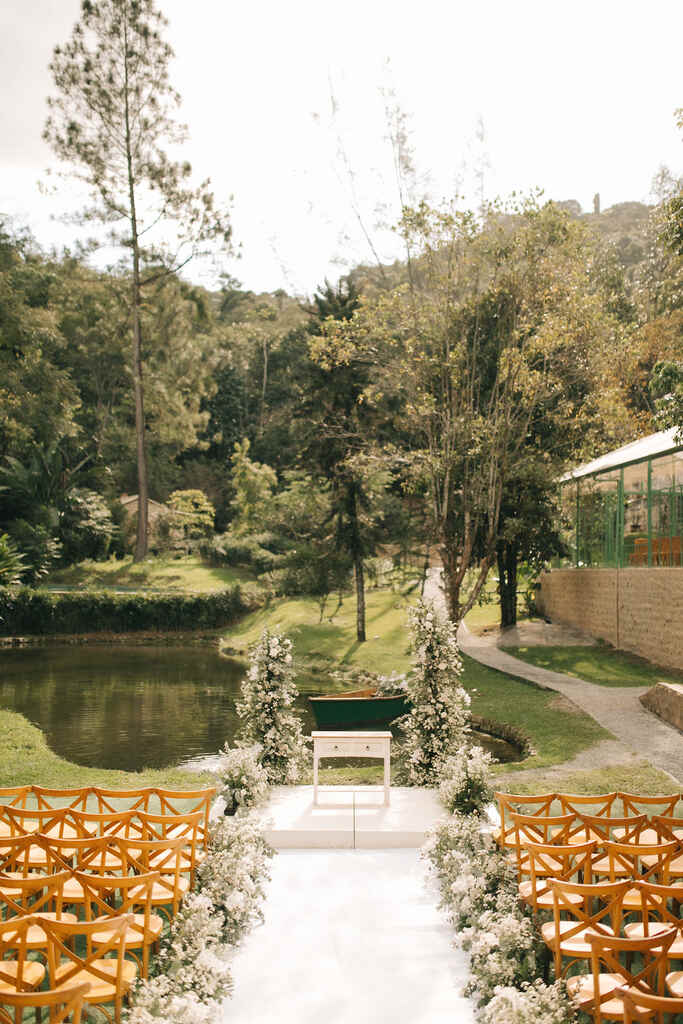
column 350, row 937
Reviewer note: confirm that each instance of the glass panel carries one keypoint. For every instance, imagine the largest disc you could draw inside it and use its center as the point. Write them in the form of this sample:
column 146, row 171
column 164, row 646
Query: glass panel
column 635, row 546
column 666, row 514
column 599, row 521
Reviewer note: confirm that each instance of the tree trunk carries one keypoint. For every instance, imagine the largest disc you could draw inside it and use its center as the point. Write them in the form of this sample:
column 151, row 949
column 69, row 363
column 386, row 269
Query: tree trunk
column 507, row 587
column 142, row 540
column 451, row 583
column 360, row 599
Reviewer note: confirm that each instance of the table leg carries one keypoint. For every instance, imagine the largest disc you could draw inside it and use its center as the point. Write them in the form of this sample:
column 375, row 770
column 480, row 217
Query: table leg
column 387, row 777
column 315, row 780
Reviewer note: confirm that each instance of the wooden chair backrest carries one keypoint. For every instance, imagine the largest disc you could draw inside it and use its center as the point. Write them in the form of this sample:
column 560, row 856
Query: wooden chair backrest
column 601, row 902
column 116, row 895
column 634, row 804
column 62, row 946
column 15, row 853
column 636, row 1001
column 88, row 852
column 163, row 857
column 541, row 828
column 77, row 797
column 33, row 894
column 660, row 903
column 573, row 803
column 668, row 827
column 604, row 828
column 26, row 821
column 15, row 796
column 541, row 865
column 508, row 802
column 170, row 801
column 605, row 950
column 112, row 823
column 107, row 799
column 69, row 999
column 633, row 859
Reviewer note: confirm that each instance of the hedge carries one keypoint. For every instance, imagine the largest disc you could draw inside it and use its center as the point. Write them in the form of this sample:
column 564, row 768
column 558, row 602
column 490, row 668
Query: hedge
column 28, row 612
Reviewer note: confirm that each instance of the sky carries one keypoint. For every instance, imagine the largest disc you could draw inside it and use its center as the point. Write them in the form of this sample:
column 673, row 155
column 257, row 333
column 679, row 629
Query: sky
column 571, row 98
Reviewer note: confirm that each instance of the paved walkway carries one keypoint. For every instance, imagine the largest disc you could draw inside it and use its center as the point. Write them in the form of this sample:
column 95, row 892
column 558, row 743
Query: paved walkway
column 616, row 708
column 350, row 937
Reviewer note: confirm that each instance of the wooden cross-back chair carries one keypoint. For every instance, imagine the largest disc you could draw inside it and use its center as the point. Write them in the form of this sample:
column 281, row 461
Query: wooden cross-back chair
column 107, row 896
column 97, row 855
column 674, row 983
column 17, row 972
column 586, row 908
column 612, row 829
column 171, row 802
column 109, row 800
column 650, row 805
column 163, row 857
column 35, row 894
column 668, row 826
column 110, row 976
column 537, row 828
column 645, row 862
column 12, row 796
column 579, row 803
column 550, row 860
column 509, row 802
column 660, row 909
column 63, row 1004
column 47, row 822
column 648, row 1008
column 161, row 827
column 597, row 994
column 77, row 797
column 105, row 823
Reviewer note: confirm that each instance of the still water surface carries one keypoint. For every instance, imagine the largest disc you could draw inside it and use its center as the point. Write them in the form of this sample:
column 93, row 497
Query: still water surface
column 137, row 707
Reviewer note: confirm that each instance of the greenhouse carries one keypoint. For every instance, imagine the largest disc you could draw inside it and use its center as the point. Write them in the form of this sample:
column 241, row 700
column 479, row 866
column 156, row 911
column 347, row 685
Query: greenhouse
column 625, row 509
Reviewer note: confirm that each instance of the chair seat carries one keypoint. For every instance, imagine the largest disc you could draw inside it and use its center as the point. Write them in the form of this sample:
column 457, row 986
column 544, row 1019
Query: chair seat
column 546, row 898
column 648, row 835
column 134, row 937
column 577, row 945
column 101, row 991
column 162, row 894
column 581, row 992
column 674, row 983
column 35, row 936
column 31, row 976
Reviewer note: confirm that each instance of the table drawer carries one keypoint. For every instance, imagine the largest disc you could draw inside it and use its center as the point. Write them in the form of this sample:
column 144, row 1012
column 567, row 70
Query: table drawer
column 350, row 748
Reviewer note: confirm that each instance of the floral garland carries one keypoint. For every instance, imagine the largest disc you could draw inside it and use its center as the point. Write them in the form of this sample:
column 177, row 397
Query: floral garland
column 478, row 886
column 266, row 710
column 437, row 724
column 244, row 779
column 190, row 977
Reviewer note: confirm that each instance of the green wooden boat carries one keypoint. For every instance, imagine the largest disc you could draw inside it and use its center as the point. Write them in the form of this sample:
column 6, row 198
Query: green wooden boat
column 356, row 708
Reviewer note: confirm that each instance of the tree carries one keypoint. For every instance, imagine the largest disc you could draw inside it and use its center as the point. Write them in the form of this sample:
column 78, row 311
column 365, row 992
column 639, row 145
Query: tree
column 666, row 387
column 254, row 484
column 111, row 118
column 498, row 316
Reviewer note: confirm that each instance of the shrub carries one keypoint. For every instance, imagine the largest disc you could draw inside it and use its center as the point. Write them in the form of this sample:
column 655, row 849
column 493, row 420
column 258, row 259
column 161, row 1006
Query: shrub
column 40, row 613
column 503, row 951
column 244, row 780
column 266, row 709
column 86, row 526
column 532, row 1004
column 251, row 550
column 466, row 781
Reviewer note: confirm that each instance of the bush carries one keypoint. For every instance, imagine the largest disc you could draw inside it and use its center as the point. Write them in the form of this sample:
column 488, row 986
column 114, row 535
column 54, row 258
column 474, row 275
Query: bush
column 40, row 613
column 466, row 781
column 252, row 550
column 86, row 526
column 244, row 781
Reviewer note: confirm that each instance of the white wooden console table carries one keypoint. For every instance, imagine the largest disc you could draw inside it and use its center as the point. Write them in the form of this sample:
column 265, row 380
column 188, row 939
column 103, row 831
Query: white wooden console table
column 352, row 744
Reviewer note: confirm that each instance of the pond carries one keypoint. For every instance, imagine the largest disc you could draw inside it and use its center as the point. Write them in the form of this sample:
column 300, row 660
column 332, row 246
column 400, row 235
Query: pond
column 140, row 707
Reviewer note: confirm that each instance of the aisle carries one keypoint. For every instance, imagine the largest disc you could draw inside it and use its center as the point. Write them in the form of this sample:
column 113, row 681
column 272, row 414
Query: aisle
column 350, row 937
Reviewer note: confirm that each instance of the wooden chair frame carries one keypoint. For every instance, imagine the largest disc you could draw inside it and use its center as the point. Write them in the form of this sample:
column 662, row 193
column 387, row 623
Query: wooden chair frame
column 508, row 802
column 76, row 798
column 166, row 855
column 574, row 860
column 61, row 947
column 609, row 896
column 642, row 1006
column 13, row 939
column 70, row 999
column 634, row 804
column 135, row 891
column 202, row 799
column 576, row 803
column 604, row 949
column 164, row 827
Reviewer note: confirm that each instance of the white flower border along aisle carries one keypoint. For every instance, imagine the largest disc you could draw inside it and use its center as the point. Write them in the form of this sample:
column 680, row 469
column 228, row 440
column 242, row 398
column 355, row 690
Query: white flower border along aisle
column 190, row 978
column 478, row 886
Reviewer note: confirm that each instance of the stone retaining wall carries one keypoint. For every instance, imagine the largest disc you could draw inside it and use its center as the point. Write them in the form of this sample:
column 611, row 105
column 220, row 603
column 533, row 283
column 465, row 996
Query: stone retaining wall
column 638, row 610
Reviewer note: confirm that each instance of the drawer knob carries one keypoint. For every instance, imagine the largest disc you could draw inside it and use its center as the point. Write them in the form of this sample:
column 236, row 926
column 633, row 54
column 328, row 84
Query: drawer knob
column 336, row 747
column 367, row 746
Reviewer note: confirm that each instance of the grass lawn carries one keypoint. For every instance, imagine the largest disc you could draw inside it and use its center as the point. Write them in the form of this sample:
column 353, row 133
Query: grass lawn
column 600, row 664
column 26, row 758
column 637, row 777
column 188, row 573
column 334, row 643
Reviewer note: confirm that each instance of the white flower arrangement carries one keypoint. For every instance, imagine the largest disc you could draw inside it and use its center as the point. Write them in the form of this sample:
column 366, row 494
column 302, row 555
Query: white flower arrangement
column 503, row 951
column 438, row 722
column 537, row 1003
column 466, row 781
column 244, row 780
column 266, row 709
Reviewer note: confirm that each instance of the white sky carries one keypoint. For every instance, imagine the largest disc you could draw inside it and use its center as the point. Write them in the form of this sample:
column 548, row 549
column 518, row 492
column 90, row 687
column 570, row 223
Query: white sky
column 575, row 98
